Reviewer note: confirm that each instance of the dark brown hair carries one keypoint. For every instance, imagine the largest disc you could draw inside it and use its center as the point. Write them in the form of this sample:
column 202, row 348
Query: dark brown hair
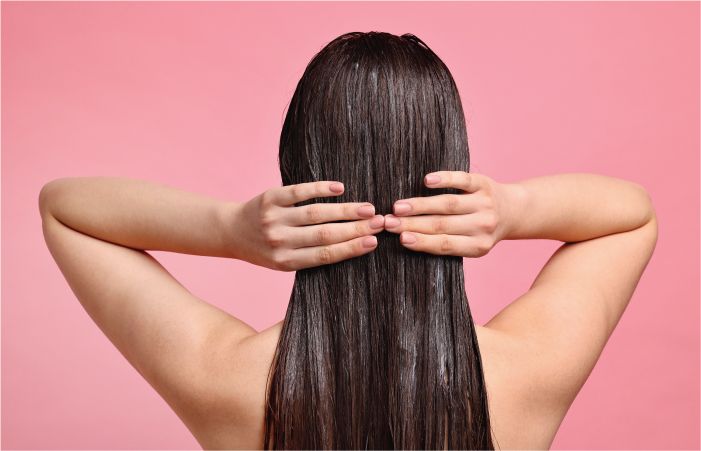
column 378, row 351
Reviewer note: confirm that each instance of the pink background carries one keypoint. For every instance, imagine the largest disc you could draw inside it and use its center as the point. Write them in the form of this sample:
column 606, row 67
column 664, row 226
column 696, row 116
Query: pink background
column 194, row 95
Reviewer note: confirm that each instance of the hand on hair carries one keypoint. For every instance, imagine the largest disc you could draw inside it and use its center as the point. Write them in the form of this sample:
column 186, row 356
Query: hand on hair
column 278, row 235
column 468, row 224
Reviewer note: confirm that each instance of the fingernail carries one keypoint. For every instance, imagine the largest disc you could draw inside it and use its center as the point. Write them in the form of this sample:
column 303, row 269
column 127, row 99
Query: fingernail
column 401, row 207
column 432, row 179
column 407, row 238
column 377, row 222
column 336, row 187
column 391, row 221
column 366, row 210
column 369, row 241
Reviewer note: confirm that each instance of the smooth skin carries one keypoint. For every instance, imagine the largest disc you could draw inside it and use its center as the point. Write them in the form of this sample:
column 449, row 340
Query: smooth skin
column 211, row 368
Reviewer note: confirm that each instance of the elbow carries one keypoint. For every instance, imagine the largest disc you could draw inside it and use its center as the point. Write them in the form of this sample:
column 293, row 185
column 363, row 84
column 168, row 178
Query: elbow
column 648, row 210
column 46, row 194
column 649, row 220
column 652, row 223
column 44, row 200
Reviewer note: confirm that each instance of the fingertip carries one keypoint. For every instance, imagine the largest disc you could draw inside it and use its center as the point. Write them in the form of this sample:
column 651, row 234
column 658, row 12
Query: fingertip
column 369, row 242
column 407, row 238
column 377, row 222
column 401, row 207
column 432, row 179
column 336, row 187
column 391, row 222
column 366, row 211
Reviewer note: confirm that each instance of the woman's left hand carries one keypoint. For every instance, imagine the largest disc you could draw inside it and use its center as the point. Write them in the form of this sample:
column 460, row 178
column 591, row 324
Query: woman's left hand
column 269, row 230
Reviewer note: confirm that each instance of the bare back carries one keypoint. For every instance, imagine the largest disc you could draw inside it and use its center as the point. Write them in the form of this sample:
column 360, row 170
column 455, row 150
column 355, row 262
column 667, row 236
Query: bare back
column 238, row 420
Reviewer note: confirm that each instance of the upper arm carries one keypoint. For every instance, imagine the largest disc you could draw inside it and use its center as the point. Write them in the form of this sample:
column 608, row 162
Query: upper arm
column 165, row 332
column 565, row 319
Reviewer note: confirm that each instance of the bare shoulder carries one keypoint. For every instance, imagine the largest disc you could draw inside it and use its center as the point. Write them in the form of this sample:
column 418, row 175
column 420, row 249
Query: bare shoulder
column 518, row 413
column 236, row 409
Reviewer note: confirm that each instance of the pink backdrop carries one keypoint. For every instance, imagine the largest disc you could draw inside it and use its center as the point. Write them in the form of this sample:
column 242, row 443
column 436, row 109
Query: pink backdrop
column 194, row 95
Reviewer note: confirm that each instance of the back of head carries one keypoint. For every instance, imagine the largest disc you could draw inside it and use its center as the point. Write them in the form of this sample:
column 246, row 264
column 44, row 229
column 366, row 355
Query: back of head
column 378, row 351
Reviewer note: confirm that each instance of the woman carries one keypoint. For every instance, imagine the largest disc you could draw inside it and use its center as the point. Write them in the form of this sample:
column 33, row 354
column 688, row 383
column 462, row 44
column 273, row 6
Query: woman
column 378, row 348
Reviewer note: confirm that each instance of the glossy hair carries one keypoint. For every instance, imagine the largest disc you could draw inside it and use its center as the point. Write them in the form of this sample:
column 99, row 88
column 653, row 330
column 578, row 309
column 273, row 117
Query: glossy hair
column 377, row 351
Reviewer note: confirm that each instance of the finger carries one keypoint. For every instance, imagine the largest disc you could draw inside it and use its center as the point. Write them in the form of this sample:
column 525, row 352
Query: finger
column 459, row 245
column 469, row 182
column 434, row 224
column 291, row 194
column 321, row 212
column 323, row 255
column 319, row 235
column 442, row 204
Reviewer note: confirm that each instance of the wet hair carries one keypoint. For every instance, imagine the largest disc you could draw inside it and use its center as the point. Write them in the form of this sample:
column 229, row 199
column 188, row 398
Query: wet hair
column 378, row 351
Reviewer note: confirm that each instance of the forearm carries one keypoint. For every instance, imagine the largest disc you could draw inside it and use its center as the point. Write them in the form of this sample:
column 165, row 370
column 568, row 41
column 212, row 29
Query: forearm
column 575, row 207
column 140, row 214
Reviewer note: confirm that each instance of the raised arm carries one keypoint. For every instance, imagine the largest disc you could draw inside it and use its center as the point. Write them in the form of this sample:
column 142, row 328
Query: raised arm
column 268, row 230
column 99, row 228
column 565, row 207
column 609, row 227
column 573, row 207
column 140, row 214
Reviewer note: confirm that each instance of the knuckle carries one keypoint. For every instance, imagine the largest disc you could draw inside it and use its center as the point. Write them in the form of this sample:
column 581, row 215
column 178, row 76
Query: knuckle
column 452, row 204
column 439, row 224
column 356, row 248
column 276, row 256
column 313, row 213
column 488, row 201
column 282, row 261
column 323, row 235
column 360, row 228
column 266, row 199
column 349, row 211
column 483, row 246
column 324, row 255
column 296, row 191
column 267, row 218
column 319, row 189
column 445, row 245
column 272, row 237
column 286, row 265
column 490, row 221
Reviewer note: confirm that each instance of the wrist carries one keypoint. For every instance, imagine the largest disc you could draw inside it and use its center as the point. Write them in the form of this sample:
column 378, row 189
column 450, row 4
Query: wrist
column 229, row 226
column 514, row 204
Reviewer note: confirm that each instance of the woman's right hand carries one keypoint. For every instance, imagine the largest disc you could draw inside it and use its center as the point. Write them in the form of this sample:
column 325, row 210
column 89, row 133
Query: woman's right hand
column 270, row 231
column 468, row 224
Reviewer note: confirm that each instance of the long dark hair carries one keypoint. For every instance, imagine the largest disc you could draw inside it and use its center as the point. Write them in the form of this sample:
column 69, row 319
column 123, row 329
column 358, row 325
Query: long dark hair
column 378, row 351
